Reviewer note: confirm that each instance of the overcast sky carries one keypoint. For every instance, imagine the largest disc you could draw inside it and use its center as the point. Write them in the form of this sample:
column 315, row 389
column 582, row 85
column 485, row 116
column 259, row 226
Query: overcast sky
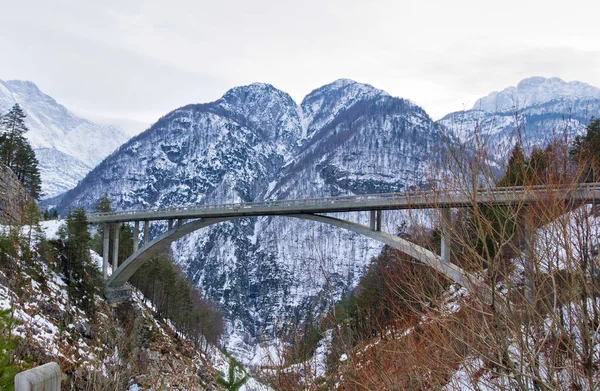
column 131, row 61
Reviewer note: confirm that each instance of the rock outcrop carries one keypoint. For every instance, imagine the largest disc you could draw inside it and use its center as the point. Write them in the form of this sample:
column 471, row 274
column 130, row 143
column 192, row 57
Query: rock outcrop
column 13, row 197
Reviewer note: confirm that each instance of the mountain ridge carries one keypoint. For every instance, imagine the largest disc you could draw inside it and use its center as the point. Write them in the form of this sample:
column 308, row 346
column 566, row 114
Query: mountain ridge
column 343, row 138
column 218, row 153
column 55, row 133
column 535, row 90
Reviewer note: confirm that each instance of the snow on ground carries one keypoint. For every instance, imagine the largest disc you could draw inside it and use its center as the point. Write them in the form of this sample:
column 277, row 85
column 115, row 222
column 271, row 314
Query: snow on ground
column 221, row 362
column 39, row 325
column 50, row 228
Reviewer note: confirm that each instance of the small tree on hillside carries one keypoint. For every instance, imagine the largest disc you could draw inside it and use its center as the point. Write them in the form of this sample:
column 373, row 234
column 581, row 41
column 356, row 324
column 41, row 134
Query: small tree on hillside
column 8, row 343
column 17, row 153
column 586, row 151
column 13, row 133
column 81, row 277
column 231, row 383
column 103, row 204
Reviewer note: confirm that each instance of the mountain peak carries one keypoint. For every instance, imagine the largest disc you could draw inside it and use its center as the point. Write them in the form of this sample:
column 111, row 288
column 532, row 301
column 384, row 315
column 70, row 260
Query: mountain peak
column 271, row 112
column 246, row 94
column 533, row 91
column 324, row 103
column 354, row 87
column 23, row 84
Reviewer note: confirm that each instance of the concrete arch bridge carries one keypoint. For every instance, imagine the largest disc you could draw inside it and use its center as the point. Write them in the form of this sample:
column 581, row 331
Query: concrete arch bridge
column 186, row 219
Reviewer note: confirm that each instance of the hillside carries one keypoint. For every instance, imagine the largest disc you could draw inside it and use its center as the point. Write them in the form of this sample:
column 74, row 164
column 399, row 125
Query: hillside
column 129, row 347
column 405, row 326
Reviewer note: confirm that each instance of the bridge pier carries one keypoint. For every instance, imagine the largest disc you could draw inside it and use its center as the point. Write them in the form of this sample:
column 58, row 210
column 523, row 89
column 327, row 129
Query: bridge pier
column 105, row 249
column 115, row 263
column 170, row 224
column 375, row 222
column 136, row 235
column 445, row 235
column 179, row 222
column 146, row 229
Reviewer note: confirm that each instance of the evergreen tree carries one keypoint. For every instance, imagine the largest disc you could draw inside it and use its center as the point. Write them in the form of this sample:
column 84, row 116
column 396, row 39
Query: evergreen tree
column 231, row 383
column 26, row 168
column 13, row 129
column 16, row 152
column 8, row 342
column 515, row 171
column 125, row 242
column 81, row 277
column 586, row 151
column 103, row 204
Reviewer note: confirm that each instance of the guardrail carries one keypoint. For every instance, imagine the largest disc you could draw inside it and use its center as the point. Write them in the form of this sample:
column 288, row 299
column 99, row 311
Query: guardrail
column 412, row 199
column 43, row 378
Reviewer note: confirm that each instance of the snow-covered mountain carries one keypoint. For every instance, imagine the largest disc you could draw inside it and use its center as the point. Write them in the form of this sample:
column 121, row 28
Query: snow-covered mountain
column 535, row 91
column 256, row 143
column 67, row 146
column 540, row 109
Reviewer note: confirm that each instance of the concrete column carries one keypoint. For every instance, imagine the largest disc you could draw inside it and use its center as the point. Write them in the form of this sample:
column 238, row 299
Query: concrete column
column 170, row 223
column 372, row 221
column 146, row 229
column 105, row 249
column 115, row 263
column 445, row 235
column 179, row 222
column 136, row 235
column 45, row 377
column 378, row 225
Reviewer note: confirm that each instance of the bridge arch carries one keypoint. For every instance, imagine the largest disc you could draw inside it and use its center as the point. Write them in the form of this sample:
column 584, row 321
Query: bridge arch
column 161, row 243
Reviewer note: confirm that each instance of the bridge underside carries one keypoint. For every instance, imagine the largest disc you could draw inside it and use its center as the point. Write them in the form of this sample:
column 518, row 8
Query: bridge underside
column 116, row 291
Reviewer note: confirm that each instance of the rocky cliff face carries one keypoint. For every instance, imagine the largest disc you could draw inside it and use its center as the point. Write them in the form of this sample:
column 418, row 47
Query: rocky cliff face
column 256, row 143
column 13, row 197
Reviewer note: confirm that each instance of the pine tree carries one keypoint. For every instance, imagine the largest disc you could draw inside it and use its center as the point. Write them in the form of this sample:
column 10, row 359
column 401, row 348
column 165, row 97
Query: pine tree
column 81, row 277
column 27, row 170
column 586, row 151
column 8, row 342
column 103, row 204
column 231, row 384
column 13, row 129
column 515, row 170
column 16, row 152
column 125, row 242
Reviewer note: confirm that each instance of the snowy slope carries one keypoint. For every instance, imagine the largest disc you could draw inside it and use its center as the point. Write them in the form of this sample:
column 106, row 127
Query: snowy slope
column 257, row 143
column 67, row 146
column 538, row 109
column 534, row 91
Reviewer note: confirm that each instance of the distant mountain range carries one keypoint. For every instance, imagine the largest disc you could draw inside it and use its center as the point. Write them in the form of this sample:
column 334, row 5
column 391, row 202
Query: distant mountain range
column 256, row 143
column 539, row 108
column 67, row 146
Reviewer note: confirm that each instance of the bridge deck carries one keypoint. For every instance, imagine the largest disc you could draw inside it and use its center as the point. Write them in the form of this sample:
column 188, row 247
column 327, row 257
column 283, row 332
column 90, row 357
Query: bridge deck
column 584, row 193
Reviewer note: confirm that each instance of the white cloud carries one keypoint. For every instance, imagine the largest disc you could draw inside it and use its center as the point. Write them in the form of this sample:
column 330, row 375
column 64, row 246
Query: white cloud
column 138, row 59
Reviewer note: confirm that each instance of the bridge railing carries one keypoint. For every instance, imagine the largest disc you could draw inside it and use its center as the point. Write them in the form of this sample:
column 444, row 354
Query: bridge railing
column 407, row 197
